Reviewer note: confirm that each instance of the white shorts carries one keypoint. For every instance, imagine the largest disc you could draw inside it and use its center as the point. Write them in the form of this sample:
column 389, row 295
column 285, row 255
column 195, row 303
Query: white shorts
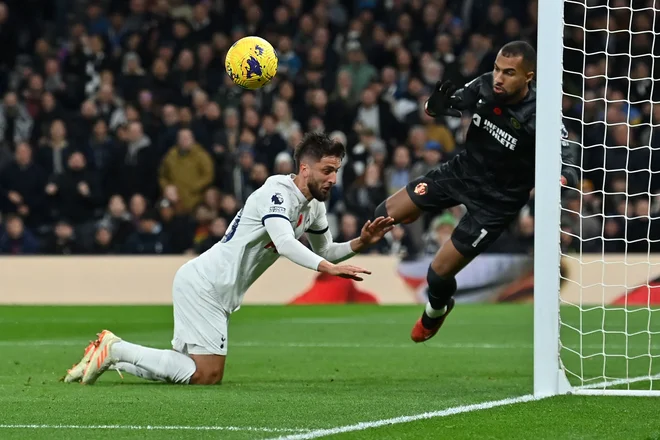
column 200, row 322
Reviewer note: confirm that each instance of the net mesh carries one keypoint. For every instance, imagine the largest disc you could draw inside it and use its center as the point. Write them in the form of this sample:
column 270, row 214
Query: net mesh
column 610, row 223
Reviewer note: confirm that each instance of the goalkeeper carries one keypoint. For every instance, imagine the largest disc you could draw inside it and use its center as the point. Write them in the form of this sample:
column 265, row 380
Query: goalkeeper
column 493, row 176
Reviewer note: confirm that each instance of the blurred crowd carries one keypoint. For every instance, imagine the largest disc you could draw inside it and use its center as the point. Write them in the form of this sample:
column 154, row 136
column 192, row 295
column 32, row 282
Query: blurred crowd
column 120, row 132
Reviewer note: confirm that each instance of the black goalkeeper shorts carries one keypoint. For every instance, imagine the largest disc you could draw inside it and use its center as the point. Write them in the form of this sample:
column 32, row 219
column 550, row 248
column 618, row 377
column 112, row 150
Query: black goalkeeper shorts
column 486, row 217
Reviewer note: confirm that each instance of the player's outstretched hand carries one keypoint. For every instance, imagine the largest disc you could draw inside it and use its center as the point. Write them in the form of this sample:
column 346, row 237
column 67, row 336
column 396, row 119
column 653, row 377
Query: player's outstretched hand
column 345, row 271
column 439, row 102
column 372, row 232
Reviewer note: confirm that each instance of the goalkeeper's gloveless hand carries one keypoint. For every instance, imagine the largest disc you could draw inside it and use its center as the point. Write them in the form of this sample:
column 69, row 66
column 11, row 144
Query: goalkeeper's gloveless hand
column 440, row 101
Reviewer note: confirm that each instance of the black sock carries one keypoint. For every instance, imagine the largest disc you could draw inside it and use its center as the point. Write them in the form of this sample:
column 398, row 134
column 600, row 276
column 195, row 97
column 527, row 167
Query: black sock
column 440, row 290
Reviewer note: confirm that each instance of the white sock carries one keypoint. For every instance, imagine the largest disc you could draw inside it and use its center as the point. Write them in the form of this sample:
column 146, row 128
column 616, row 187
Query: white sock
column 433, row 313
column 138, row 371
column 162, row 364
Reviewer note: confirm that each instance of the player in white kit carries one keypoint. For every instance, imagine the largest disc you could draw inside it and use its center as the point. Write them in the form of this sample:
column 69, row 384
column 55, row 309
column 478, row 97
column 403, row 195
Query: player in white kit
column 208, row 288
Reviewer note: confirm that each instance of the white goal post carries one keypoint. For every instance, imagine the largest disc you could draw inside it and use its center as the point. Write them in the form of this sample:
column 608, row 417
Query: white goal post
column 588, row 337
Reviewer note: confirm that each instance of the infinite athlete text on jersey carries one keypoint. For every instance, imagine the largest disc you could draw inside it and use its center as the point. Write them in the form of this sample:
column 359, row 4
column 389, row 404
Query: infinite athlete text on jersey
column 496, row 132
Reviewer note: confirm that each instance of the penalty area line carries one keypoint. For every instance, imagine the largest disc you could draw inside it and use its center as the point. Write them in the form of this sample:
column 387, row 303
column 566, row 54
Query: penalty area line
column 317, row 433
column 154, row 428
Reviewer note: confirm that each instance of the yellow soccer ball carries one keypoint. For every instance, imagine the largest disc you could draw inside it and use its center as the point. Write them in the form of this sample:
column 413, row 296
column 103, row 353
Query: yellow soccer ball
column 251, row 62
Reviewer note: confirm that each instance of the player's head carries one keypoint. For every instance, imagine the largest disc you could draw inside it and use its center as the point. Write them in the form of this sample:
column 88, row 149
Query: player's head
column 318, row 159
column 513, row 70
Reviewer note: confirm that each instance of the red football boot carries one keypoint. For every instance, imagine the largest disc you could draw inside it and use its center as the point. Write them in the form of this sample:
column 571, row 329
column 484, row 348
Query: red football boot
column 420, row 333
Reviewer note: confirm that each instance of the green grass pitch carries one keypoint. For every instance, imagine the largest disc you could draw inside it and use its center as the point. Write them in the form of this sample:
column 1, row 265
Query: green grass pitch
column 295, row 370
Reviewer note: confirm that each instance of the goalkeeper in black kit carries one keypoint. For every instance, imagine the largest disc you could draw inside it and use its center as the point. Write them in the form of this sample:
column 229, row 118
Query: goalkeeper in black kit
column 493, row 176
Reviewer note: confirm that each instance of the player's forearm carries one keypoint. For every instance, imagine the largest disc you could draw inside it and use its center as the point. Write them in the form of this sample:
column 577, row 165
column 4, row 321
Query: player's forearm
column 295, row 251
column 280, row 232
column 338, row 252
column 323, row 245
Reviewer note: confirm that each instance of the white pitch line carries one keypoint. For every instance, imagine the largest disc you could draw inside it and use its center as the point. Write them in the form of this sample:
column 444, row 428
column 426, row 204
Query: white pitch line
column 617, row 382
column 155, row 428
column 406, row 419
column 361, row 426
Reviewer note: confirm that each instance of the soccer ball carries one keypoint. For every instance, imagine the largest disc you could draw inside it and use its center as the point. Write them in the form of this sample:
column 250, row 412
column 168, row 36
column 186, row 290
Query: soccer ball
column 251, row 62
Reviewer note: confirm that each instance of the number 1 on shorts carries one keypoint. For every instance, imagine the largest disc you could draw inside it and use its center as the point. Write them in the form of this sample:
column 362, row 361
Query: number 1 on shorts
column 481, row 237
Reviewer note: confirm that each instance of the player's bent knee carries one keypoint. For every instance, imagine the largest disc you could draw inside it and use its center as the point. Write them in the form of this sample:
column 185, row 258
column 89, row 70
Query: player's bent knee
column 214, row 377
column 210, row 370
column 207, row 377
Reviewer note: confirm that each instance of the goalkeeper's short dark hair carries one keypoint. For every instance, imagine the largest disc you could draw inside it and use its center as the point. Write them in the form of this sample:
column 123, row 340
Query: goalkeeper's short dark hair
column 520, row 48
column 316, row 146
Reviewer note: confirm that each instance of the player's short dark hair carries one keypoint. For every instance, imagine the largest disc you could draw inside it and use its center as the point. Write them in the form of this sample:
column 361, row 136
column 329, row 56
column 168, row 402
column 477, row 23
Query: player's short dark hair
column 522, row 49
column 316, row 146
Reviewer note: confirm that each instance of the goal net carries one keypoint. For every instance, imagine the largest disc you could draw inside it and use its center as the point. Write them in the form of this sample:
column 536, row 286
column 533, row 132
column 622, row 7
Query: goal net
column 607, row 318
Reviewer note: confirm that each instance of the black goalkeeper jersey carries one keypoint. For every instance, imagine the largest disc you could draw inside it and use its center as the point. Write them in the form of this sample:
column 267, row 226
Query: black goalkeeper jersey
column 499, row 155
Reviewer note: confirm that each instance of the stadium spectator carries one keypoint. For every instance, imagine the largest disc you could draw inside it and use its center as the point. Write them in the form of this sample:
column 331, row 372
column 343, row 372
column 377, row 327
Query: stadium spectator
column 63, row 240
column 186, row 171
column 22, row 185
column 149, row 237
column 358, row 67
column 431, row 158
column 365, row 193
column 117, row 219
column 75, row 193
column 398, row 174
column 55, row 150
column 270, row 143
column 138, row 164
column 179, row 227
column 439, row 232
column 15, row 121
column 104, row 241
column 216, row 232
column 228, row 207
column 283, row 163
column 16, row 240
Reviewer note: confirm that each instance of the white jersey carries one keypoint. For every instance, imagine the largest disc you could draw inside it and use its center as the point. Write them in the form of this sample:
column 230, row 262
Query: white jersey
column 246, row 250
